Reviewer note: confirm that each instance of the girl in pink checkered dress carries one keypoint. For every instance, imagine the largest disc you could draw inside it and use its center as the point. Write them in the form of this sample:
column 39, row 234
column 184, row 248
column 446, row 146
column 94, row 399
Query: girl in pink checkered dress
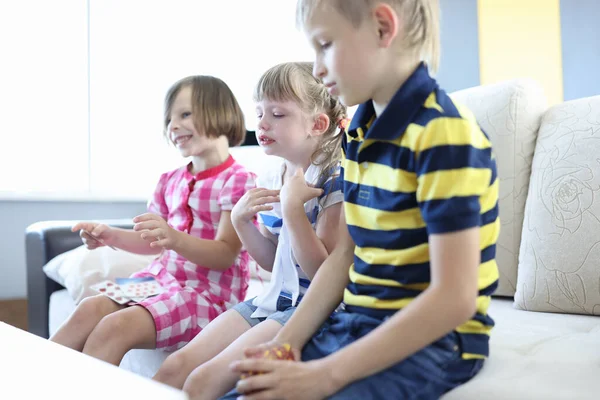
column 200, row 263
column 298, row 208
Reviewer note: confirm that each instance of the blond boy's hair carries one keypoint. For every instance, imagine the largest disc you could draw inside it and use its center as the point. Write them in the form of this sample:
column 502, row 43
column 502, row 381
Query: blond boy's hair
column 215, row 109
column 293, row 81
column 421, row 21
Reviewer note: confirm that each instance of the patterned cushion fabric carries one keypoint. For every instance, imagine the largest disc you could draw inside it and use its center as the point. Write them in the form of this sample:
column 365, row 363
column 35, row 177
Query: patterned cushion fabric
column 560, row 253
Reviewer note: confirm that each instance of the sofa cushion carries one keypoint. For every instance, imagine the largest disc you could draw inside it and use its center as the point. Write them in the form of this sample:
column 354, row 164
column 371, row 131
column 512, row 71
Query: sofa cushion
column 560, row 252
column 537, row 356
column 78, row 269
column 510, row 113
column 532, row 355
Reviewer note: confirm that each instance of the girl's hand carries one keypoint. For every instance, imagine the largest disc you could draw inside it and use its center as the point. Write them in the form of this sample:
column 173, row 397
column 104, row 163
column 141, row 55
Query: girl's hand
column 252, row 202
column 94, row 235
column 155, row 229
column 295, row 191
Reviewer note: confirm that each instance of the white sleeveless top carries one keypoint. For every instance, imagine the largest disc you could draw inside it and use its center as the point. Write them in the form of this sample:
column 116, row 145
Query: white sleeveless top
column 287, row 278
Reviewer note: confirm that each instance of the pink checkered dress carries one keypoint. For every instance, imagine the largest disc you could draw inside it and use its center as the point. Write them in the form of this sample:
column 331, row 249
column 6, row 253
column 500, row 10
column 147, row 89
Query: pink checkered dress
column 195, row 295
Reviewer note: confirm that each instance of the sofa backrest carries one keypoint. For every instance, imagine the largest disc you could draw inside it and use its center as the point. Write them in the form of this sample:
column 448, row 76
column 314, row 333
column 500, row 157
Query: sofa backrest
column 510, row 113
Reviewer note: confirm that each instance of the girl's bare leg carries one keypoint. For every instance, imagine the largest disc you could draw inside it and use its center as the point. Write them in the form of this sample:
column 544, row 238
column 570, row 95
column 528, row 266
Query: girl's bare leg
column 213, row 379
column 75, row 330
column 119, row 332
column 214, row 338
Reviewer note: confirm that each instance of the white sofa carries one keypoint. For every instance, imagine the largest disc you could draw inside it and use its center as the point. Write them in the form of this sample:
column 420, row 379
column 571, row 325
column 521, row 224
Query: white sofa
column 534, row 355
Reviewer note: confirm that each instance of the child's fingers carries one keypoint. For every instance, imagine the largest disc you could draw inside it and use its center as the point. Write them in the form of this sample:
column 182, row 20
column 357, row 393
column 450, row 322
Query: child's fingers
column 148, row 225
column 98, row 230
column 85, row 235
column 160, row 243
column 254, row 365
column 153, row 234
column 145, row 217
column 86, row 226
column 267, row 192
column 257, row 383
column 265, row 200
column 316, row 192
column 89, row 241
column 251, row 352
column 264, row 207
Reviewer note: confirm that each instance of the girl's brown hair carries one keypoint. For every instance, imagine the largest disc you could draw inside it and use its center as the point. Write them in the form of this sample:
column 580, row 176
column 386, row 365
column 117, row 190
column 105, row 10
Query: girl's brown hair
column 421, row 21
column 294, row 81
column 215, row 109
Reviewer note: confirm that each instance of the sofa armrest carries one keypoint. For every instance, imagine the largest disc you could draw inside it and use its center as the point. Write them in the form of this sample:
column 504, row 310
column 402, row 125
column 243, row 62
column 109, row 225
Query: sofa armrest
column 44, row 241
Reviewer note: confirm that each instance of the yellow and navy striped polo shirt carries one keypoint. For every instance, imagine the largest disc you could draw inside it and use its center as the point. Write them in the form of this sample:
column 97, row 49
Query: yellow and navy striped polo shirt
column 422, row 167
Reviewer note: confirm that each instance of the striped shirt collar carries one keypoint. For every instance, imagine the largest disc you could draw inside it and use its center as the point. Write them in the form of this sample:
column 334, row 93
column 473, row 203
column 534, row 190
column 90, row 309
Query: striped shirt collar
column 399, row 113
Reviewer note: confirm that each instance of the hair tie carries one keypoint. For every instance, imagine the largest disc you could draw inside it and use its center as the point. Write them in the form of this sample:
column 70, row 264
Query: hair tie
column 343, row 123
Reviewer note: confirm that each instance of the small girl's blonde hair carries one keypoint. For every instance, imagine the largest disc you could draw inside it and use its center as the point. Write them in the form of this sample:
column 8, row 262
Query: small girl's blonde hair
column 294, row 81
column 215, row 109
column 421, row 21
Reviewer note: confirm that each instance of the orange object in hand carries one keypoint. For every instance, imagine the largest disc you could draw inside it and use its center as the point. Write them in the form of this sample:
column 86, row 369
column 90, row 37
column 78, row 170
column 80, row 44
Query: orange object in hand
column 283, row 352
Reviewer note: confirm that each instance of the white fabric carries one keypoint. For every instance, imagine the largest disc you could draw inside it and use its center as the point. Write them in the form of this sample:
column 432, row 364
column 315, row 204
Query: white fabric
column 80, row 268
column 287, row 276
column 537, row 356
column 533, row 356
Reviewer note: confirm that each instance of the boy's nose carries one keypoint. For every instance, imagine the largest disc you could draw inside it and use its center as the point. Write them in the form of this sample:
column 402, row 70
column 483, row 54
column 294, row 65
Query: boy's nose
column 319, row 70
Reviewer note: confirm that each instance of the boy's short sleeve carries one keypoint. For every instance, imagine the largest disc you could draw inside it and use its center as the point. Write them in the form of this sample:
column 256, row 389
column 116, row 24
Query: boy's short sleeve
column 157, row 203
column 234, row 188
column 454, row 167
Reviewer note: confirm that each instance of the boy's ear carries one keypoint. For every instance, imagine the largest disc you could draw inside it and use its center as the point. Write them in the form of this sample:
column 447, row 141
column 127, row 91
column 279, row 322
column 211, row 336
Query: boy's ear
column 387, row 22
column 320, row 125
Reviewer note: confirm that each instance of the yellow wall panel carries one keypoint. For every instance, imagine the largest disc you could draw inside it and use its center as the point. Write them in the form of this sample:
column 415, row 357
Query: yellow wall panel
column 521, row 38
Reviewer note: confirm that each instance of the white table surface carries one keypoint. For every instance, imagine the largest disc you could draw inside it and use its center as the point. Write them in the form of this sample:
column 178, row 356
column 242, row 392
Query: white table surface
column 34, row 368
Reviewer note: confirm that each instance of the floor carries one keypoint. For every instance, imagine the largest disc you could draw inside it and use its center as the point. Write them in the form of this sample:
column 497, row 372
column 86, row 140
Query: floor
column 14, row 312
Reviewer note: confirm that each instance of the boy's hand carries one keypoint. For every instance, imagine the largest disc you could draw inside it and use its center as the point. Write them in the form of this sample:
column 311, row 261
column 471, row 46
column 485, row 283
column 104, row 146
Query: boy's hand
column 252, row 202
column 90, row 232
column 295, row 191
column 270, row 348
column 155, row 229
column 290, row 380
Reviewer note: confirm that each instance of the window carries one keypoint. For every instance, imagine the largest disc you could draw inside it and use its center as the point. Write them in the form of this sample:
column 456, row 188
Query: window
column 83, row 108
column 43, row 96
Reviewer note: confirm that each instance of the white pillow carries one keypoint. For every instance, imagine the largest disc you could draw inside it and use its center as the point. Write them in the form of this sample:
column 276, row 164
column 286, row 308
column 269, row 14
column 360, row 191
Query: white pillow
column 80, row 268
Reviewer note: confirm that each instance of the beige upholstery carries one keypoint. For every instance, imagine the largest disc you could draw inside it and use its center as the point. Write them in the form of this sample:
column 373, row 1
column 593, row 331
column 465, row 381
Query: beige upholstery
column 537, row 356
column 559, row 268
column 510, row 113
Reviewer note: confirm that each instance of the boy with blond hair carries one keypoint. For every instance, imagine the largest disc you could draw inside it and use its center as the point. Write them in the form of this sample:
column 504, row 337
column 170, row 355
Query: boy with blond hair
column 415, row 263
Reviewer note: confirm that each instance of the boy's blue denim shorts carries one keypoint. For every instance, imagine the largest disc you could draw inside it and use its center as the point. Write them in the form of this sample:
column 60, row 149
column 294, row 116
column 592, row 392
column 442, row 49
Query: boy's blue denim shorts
column 426, row 375
column 282, row 315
